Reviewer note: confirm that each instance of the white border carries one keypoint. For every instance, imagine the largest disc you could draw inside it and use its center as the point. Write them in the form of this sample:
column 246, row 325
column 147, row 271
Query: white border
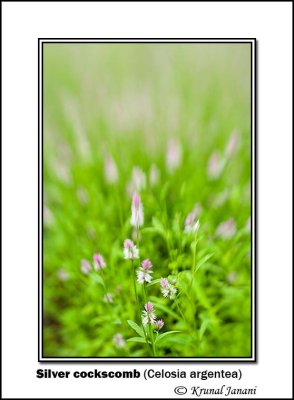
column 22, row 24
column 253, row 258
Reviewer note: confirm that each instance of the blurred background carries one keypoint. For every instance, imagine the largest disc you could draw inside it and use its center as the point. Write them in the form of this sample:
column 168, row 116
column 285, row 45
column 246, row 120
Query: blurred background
column 171, row 121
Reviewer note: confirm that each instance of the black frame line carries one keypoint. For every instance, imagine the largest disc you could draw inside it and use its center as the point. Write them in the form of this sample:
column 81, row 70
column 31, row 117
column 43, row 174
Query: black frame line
column 253, row 109
column 164, row 40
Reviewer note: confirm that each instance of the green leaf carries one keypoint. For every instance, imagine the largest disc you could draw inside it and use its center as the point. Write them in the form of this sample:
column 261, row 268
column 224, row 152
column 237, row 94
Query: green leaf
column 136, row 328
column 97, row 278
column 193, row 245
column 164, row 308
column 203, row 328
column 154, row 282
column 159, row 227
column 137, row 339
column 161, row 338
column 184, row 280
column 164, row 191
column 149, row 230
column 203, row 261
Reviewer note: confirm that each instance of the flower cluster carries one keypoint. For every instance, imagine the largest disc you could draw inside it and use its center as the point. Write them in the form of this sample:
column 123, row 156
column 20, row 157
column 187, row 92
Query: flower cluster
column 233, row 143
column 85, row 267
column 137, row 218
column 191, row 224
column 159, row 324
column 118, row 340
column 167, row 288
column 215, row 165
column 98, row 261
column 226, row 229
column 62, row 274
column 137, row 182
column 149, row 317
column 173, row 155
column 144, row 272
column 130, row 250
column 110, row 170
column 154, row 175
column 108, row 298
column 217, row 161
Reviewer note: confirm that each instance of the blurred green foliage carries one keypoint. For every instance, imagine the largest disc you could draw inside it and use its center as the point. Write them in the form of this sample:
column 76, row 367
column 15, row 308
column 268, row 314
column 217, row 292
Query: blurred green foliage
column 128, row 100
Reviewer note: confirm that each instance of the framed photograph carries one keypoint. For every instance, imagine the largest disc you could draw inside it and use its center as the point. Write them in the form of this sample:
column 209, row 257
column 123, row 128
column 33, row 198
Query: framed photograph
column 147, row 200
column 147, row 220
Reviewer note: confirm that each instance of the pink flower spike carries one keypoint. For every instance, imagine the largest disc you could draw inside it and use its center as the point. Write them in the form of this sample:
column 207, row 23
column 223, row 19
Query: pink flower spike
column 118, row 340
column 130, row 250
column 148, row 315
column 226, row 229
column 153, row 175
column 149, row 307
column 164, row 283
column 110, row 170
column 146, row 264
column 159, row 324
column 233, row 143
column 144, row 272
column 192, row 224
column 167, row 289
column 137, row 218
column 137, row 182
column 108, row 298
column 173, row 155
column 128, row 244
column 62, row 274
column 85, row 267
column 136, row 200
column 215, row 165
column 99, row 262
column 190, row 219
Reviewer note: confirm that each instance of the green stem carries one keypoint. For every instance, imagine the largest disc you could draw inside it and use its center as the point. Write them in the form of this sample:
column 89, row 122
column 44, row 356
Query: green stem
column 138, row 305
column 144, row 297
column 150, row 326
column 144, row 293
column 145, row 301
column 193, row 278
column 146, row 339
column 105, row 292
column 153, row 342
column 135, row 288
column 169, row 245
column 180, row 311
column 137, row 242
column 119, row 208
column 194, row 252
column 152, row 339
column 194, row 259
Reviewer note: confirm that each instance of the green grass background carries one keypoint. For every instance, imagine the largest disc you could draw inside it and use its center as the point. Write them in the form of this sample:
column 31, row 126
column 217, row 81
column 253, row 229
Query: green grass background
column 128, row 100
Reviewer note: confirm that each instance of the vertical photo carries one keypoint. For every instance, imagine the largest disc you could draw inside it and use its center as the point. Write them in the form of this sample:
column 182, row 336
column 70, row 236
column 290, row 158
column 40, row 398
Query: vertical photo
column 147, row 205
